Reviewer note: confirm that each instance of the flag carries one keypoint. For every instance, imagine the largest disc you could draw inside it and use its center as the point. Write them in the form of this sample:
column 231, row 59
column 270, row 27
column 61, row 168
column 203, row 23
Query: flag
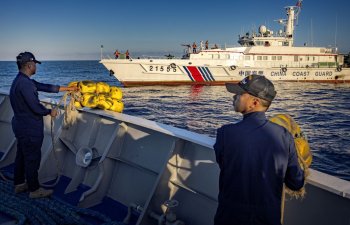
column 298, row 4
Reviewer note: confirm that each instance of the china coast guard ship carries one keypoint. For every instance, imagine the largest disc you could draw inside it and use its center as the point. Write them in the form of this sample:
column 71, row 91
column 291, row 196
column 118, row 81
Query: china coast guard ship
column 262, row 53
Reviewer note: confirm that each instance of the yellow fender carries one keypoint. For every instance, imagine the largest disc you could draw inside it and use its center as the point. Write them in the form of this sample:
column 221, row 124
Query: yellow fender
column 99, row 95
column 89, row 100
column 87, row 86
column 116, row 93
column 117, row 106
column 104, row 102
column 102, row 87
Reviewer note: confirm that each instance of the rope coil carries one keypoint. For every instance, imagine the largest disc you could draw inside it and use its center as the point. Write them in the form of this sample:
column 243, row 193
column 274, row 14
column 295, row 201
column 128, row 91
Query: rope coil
column 70, row 116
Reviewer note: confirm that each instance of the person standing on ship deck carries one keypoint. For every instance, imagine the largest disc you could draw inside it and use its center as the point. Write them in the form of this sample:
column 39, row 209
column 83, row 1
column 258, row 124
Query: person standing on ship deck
column 255, row 157
column 206, row 45
column 194, row 47
column 28, row 125
column 116, row 54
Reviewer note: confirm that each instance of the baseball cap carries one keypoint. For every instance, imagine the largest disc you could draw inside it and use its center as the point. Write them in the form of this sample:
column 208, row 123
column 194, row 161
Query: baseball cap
column 24, row 57
column 256, row 85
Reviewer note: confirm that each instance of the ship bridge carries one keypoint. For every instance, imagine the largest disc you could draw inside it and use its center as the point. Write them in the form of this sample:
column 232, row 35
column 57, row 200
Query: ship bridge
column 266, row 37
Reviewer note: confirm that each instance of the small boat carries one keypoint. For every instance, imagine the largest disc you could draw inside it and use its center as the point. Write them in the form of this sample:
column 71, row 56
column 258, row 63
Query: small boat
column 264, row 53
column 112, row 168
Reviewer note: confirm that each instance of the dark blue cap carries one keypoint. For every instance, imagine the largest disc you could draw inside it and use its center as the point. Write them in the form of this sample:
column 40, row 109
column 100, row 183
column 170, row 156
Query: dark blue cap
column 25, row 57
column 256, row 85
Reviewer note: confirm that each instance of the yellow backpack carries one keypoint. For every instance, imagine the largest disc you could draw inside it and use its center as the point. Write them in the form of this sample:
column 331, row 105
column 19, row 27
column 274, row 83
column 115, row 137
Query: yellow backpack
column 301, row 145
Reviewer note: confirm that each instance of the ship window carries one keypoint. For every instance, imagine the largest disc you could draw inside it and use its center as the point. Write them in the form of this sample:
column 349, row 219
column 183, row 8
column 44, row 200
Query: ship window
column 265, row 57
column 307, row 58
column 279, row 57
column 313, row 58
column 259, row 43
column 259, row 57
column 286, row 43
column 247, row 57
column 226, row 56
column 273, row 57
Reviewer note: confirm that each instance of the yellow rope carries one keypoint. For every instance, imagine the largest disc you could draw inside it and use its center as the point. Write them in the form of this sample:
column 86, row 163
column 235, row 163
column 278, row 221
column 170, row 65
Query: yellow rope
column 283, row 203
column 70, row 115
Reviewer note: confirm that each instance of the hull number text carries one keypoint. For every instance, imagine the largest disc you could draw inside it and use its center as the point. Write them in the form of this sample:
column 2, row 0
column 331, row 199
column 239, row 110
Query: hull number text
column 161, row 69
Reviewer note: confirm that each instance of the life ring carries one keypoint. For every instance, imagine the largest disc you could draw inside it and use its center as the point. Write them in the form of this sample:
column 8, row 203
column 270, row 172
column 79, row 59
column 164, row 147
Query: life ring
column 284, row 69
column 232, row 67
column 173, row 65
column 339, row 68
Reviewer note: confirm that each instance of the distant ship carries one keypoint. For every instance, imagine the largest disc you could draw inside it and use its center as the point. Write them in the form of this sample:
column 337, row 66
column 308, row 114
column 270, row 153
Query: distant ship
column 263, row 53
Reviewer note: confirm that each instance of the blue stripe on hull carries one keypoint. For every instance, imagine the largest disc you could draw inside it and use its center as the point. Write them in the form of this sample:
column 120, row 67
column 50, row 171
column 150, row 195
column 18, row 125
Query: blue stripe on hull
column 209, row 73
column 204, row 75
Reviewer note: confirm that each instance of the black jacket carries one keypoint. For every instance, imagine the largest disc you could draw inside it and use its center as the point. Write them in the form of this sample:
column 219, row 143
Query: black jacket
column 255, row 157
column 27, row 109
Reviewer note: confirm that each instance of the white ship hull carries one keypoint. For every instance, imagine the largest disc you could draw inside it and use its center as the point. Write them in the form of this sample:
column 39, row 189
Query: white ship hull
column 138, row 72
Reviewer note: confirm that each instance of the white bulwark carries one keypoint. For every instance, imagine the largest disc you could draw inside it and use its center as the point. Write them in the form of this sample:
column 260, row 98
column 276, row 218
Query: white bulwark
column 263, row 53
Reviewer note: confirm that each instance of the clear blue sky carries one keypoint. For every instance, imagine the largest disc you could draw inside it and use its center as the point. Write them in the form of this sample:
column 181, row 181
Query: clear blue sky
column 75, row 29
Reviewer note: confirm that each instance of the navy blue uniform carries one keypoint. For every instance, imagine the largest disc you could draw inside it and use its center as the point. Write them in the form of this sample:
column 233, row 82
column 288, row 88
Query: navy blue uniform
column 28, row 127
column 255, row 157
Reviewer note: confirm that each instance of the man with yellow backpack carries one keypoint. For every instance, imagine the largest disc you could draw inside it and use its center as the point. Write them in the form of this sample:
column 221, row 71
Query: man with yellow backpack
column 256, row 158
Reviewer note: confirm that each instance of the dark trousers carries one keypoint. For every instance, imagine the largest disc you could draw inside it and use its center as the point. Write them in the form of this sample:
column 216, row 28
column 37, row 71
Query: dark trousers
column 27, row 161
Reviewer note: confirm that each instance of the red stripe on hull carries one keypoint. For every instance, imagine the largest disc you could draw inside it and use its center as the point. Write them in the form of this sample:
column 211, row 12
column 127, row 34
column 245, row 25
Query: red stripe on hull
column 197, row 76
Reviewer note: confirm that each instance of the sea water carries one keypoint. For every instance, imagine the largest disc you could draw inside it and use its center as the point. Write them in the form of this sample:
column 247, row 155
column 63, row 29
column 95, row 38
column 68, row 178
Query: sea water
column 322, row 110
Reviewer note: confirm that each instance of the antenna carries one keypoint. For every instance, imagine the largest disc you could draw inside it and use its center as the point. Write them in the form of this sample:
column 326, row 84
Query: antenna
column 101, row 51
column 298, row 7
column 312, row 35
column 336, row 30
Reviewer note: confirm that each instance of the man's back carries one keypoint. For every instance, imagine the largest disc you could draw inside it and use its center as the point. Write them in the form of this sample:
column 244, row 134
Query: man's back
column 255, row 158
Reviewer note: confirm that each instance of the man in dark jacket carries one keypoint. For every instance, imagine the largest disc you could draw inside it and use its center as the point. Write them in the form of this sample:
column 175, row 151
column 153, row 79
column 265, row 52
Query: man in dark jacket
column 255, row 157
column 28, row 125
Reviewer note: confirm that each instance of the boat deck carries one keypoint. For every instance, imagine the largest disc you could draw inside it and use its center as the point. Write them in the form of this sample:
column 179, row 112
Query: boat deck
column 142, row 165
column 53, row 210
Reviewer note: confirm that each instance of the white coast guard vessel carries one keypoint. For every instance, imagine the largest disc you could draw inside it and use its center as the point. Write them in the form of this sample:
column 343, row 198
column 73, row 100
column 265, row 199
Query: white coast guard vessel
column 263, row 53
